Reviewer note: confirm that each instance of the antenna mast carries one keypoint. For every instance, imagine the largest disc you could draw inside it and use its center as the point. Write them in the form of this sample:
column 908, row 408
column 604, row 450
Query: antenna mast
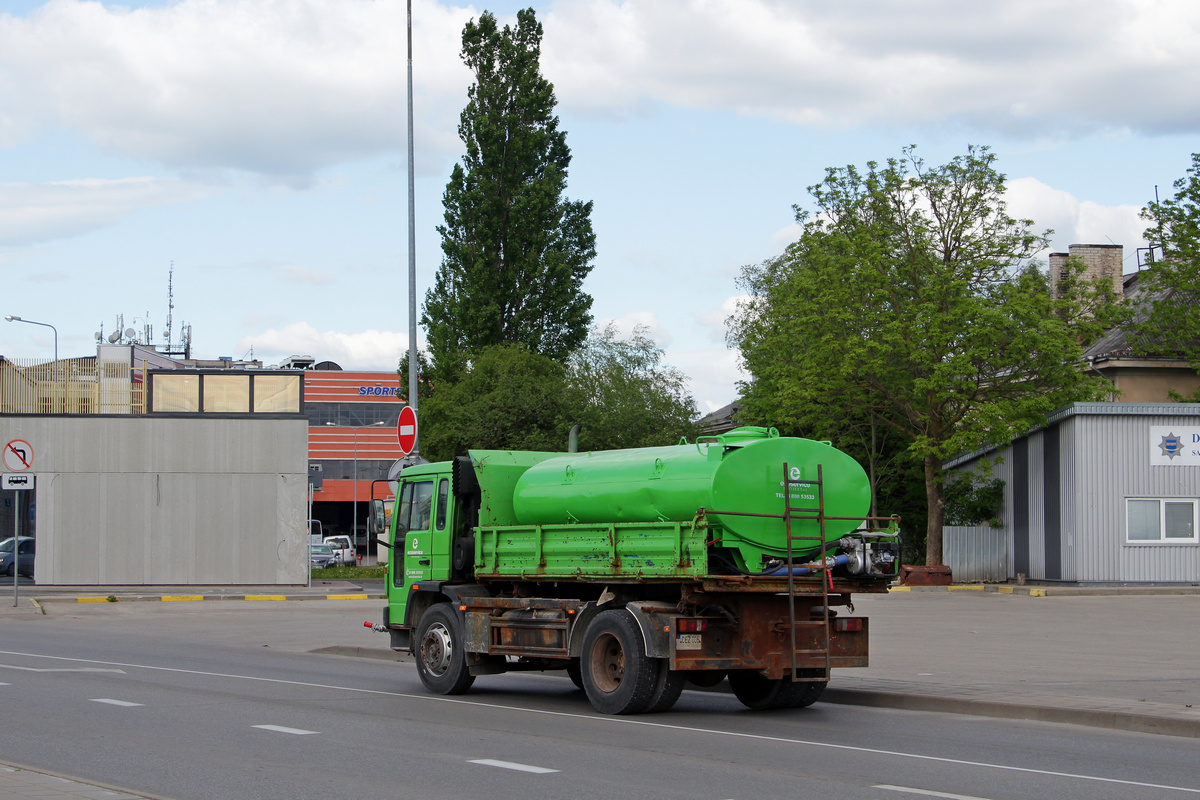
column 170, row 302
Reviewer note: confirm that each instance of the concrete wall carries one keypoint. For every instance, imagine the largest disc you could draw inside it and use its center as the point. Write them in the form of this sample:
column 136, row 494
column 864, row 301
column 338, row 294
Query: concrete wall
column 137, row 500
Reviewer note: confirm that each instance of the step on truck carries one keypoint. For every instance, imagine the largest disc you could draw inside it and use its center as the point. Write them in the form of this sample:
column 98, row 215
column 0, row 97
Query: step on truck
column 637, row 571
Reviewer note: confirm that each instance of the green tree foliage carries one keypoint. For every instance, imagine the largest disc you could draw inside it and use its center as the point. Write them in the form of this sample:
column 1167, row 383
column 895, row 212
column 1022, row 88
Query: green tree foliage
column 509, row 397
column 909, row 302
column 624, row 396
column 1173, row 325
column 515, row 252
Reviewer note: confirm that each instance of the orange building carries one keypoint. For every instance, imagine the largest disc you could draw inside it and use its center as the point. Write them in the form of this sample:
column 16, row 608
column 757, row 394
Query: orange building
column 352, row 445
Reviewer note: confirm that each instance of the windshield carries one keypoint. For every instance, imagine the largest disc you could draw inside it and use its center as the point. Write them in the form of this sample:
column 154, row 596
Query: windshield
column 6, row 545
column 322, row 549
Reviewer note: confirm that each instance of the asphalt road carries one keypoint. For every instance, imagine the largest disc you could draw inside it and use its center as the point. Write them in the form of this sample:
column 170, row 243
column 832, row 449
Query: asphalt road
column 210, row 703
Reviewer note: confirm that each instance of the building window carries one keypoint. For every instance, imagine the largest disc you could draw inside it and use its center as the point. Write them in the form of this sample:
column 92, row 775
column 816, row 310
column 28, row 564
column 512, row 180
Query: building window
column 176, row 393
column 276, row 393
column 1165, row 520
column 228, row 394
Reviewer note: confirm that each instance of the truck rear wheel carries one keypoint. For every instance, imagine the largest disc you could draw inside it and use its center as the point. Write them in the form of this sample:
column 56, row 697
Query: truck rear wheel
column 763, row 694
column 667, row 688
column 617, row 675
column 441, row 662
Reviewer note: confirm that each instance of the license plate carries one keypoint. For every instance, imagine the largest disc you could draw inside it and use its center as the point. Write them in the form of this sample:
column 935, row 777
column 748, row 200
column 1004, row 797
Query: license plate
column 687, row 641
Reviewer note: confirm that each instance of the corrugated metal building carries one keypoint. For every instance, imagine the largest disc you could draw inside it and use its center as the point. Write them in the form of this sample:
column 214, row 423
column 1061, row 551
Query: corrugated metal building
column 1105, row 492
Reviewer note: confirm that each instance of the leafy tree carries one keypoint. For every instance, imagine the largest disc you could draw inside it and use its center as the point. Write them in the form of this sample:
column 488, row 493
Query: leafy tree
column 624, row 396
column 1173, row 323
column 910, row 300
column 515, row 252
column 510, row 398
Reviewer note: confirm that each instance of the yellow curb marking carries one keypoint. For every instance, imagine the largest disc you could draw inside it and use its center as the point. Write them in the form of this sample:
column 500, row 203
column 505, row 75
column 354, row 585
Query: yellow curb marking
column 181, row 598
column 1037, row 592
column 966, row 588
column 347, row 597
column 899, row 588
column 265, row 597
column 91, row 600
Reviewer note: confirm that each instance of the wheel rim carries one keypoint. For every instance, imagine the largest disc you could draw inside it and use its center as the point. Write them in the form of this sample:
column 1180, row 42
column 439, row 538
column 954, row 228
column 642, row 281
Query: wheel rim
column 436, row 649
column 607, row 663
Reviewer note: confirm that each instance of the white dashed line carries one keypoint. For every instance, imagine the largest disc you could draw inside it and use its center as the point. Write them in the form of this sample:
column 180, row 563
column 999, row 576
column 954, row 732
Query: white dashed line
column 111, row 702
column 281, row 729
column 927, row 792
column 491, row 762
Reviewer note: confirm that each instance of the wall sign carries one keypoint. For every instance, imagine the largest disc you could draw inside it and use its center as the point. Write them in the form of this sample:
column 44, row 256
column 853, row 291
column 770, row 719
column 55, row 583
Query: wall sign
column 1175, row 446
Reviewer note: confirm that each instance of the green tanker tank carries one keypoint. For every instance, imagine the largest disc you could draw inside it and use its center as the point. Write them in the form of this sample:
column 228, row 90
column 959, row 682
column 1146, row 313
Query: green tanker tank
column 651, row 512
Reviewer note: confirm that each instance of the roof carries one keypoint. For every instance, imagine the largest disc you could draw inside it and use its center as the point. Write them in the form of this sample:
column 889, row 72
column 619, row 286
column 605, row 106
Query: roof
column 1126, row 343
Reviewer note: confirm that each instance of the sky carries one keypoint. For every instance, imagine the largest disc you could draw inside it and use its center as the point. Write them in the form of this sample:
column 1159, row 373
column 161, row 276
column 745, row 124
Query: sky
column 254, row 151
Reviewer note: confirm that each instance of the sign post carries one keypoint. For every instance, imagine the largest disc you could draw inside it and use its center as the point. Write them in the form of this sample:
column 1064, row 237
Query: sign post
column 406, row 430
column 20, row 483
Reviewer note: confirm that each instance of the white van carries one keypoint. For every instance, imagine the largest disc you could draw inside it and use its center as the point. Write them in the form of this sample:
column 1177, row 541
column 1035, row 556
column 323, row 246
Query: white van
column 343, row 549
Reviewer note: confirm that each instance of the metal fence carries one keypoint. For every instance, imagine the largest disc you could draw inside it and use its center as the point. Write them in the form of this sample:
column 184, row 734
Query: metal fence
column 976, row 553
column 70, row 386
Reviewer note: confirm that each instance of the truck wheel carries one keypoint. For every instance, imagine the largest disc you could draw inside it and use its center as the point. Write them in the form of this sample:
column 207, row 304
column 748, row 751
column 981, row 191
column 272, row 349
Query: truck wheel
column 575, row 673
column 805, row 693
column 441, row 662
column 617, row 675
column 760, row 693
column 667, row 688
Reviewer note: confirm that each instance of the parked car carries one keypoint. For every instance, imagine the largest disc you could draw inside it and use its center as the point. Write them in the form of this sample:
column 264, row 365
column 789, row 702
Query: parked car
column 321, row 556
column 25, row 552
column 343, row 549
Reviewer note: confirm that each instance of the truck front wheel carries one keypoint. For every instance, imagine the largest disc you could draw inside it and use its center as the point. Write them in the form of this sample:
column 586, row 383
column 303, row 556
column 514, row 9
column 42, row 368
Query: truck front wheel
column 617, row 675
column 441, row 662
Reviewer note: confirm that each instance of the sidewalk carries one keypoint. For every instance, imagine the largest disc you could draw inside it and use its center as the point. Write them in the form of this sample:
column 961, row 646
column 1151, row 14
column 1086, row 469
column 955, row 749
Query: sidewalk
column 18, row 783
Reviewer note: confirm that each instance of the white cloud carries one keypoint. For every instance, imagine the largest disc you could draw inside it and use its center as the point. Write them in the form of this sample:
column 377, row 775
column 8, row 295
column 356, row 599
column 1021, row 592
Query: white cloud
column 717, row 321
column 287, row 87
column 1075, row 221
column 38, row 212
column 1022, row 65
column 632, row 319
column 280, row 87
column 377, row 350
column 713, row 373
column 297, row 274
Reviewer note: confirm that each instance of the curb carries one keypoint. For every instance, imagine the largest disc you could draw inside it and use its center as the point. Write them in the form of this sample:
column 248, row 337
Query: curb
column 1054, row 591
column 1112, row 720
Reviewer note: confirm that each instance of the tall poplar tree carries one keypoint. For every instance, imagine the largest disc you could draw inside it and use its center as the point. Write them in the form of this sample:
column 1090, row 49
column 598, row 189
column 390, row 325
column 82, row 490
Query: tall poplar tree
column 515, row 252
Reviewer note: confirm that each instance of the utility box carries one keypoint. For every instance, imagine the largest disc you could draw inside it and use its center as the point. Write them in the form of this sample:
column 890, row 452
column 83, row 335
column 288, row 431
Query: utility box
column 934, row 575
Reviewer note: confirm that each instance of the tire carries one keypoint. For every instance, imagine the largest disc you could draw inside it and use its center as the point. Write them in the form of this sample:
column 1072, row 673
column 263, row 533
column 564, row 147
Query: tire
column 764, row 694
column 441, row 661
column 575, row 673
column 617, row 675
column 667, row 688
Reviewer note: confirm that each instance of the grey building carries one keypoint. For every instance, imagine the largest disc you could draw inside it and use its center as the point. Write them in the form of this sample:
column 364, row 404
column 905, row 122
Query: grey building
column 202, row 479
column 1105, row 492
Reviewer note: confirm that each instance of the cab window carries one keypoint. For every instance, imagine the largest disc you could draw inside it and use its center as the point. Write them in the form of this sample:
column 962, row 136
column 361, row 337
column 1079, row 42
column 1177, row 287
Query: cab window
column 416, row 503
column 443, row 492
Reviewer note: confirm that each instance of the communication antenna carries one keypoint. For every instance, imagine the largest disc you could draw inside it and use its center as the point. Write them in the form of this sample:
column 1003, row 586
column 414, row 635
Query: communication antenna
column 170, row 303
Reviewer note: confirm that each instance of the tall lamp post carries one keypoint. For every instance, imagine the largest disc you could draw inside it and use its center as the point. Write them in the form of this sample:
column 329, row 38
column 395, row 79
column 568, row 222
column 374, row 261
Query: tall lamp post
column 15, row 318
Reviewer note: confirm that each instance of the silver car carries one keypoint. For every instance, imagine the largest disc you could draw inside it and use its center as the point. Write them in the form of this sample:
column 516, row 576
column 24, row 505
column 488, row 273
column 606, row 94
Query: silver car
column 25, row 548
column 321, row 556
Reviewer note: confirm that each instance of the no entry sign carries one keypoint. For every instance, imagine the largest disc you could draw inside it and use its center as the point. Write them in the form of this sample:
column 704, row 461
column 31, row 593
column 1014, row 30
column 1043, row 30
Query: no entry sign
column 406, row 430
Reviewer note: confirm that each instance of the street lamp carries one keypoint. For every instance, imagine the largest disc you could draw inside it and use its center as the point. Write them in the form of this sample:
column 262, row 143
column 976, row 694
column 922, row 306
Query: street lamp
column 14, row 318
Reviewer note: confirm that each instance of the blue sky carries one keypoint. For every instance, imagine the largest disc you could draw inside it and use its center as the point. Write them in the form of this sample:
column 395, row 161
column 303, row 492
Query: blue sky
column 259, row 146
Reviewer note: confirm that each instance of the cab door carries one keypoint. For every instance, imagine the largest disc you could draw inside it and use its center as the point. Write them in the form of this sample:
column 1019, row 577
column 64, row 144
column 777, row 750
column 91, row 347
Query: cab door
column 411, row 546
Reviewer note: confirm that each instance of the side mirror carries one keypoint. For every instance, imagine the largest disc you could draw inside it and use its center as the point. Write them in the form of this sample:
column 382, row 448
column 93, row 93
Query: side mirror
column 378, row 520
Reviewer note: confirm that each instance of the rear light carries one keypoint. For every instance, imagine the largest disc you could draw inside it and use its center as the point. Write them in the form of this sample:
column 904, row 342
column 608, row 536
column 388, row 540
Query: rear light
column 690, row 625
column 848, row 624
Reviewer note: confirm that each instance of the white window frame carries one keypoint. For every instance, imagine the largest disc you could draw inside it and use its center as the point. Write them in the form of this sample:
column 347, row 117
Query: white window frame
column 1162, row 521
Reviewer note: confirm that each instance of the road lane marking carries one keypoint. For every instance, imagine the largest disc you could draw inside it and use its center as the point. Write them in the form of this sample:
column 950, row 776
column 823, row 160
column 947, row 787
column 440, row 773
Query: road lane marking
column 615, row 720
column 75, row 669
column 491, row 762
column 111, row 702
column 281, row 729
column 927, row 792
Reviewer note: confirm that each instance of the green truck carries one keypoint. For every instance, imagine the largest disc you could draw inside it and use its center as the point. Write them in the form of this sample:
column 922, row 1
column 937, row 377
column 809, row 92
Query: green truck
column 637, row 571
